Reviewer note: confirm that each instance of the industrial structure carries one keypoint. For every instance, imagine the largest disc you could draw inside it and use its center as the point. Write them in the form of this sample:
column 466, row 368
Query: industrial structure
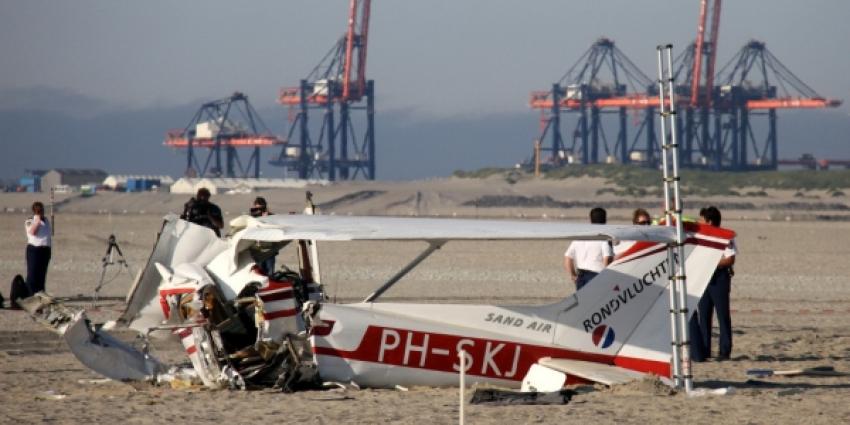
column 718, row 113
column 223, row 126
column 71, row 178
column 602, row 82
column 328, row 141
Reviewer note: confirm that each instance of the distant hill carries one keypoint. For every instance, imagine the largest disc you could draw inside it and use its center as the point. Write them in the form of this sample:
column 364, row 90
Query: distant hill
column 45, row 128
column 631, row 180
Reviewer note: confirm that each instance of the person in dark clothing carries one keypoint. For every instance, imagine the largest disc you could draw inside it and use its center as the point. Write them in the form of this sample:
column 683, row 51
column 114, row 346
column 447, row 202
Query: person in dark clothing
column 260, row 208
column 38, row 248
column 716, row 298
column 201, row 211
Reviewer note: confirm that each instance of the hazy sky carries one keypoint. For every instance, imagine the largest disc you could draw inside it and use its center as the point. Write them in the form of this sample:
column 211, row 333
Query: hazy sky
column 435, row 57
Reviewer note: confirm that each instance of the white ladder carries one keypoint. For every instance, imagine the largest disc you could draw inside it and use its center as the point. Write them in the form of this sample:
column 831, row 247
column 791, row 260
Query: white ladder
column 673, row 217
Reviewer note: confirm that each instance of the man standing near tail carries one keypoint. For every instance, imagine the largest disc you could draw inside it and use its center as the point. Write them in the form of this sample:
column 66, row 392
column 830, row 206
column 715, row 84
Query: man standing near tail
column 585, row 259
column 716, row 297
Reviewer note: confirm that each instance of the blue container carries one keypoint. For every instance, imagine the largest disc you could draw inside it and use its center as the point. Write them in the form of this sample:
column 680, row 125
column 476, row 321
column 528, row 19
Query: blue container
column 141, row 185
column 132, row 185
column 150, row 183
column 32, row 183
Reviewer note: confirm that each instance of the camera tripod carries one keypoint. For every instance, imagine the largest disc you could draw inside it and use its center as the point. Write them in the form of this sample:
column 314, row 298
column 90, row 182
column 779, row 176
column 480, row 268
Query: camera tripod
column 110, row 259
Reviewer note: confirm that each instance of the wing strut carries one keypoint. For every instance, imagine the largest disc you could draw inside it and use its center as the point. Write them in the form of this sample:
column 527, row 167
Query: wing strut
column 432, row 246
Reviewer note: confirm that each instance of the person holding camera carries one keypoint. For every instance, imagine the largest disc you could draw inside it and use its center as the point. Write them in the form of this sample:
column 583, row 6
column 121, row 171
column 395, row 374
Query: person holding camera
column 38, row 248
column 201, row 211
column 260, row 208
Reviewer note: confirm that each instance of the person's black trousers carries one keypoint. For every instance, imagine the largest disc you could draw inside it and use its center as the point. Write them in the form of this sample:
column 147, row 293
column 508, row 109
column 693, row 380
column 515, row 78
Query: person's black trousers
column 38, row 257
column 716, row 298
column 695, row 335
column 583, row 277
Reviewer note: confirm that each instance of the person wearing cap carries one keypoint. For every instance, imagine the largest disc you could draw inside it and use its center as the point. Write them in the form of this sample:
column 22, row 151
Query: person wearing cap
column 583, row 260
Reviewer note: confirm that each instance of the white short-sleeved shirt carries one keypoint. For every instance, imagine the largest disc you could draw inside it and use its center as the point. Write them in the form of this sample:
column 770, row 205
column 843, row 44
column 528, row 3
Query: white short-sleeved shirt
column 41, row 236
column 589, row 255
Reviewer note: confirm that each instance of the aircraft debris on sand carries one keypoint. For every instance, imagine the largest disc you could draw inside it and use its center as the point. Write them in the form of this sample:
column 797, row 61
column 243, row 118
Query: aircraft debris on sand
column 240, row 328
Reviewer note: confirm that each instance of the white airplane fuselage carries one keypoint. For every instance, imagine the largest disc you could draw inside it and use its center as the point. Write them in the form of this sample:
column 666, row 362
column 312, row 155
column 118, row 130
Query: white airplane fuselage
column 367, row 344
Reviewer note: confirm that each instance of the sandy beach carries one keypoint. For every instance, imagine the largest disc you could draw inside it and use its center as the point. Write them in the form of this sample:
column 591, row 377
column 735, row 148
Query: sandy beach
column 791, row 301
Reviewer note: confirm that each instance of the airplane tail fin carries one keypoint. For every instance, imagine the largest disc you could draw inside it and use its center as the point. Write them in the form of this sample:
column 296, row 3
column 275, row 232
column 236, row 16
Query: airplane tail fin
column 624, row 311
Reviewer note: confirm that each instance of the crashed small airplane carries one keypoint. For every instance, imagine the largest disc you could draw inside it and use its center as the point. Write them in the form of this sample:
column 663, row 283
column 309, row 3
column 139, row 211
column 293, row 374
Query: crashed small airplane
column 241, row 328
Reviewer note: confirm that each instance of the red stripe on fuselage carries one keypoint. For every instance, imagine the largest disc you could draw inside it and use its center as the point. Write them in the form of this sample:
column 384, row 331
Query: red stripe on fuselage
column 276, row 296
column 279, row 313
column 490, row 358
column 640, row 246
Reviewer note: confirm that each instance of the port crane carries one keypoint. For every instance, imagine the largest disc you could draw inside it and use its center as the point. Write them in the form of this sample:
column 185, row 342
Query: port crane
column 716, row 110
column 221, row 127
column 335, row 89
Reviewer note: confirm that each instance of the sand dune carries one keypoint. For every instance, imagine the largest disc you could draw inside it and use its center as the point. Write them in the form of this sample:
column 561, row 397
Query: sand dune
column 791, row 297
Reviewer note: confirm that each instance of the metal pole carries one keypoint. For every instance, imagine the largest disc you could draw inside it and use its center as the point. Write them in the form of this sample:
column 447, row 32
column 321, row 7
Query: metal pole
column 314, row 248
column 52, row 211
column 674, row 299
column 555, row 122
column 462, row 355
column 370, row 127
column 537, row 158
column 304, row 156
column 432, row 247
column 329, row 122
column 679, row 265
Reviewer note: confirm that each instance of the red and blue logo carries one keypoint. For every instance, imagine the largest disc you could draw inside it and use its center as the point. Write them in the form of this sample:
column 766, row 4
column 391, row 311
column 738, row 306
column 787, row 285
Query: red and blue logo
column 603, row 336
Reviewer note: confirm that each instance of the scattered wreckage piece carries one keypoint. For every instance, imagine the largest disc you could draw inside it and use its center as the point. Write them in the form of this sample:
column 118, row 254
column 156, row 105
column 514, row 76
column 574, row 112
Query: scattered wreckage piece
column 96, row 349
column 811, row 371
column 500, row 397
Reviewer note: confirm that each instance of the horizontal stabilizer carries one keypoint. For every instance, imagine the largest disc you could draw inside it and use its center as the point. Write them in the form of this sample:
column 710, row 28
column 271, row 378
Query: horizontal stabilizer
column 594, row 372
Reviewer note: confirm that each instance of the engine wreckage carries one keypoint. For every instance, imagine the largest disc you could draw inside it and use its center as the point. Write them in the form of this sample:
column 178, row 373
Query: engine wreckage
column 239, row 327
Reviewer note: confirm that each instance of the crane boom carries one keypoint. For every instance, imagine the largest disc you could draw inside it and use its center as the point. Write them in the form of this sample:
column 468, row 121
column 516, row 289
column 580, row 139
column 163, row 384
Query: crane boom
column 353, row 40
column 707, row 50
column 712, row 57
column 364, row 37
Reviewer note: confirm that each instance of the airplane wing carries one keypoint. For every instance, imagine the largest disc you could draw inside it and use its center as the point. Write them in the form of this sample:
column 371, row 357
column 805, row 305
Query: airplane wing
column 351, row 228
column 591, row 371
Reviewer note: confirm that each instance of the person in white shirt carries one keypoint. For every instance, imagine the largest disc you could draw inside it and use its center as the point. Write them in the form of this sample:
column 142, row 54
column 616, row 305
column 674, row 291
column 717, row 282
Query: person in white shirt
column 38, row 248
column 585, row 259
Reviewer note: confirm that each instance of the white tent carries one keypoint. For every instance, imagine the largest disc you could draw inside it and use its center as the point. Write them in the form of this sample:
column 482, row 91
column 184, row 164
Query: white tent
column 238, row 185
column 114, row 180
